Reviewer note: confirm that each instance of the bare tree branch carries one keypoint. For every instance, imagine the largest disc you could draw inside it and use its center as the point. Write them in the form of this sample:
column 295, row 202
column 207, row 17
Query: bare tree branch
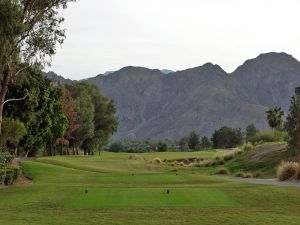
column 14, row 99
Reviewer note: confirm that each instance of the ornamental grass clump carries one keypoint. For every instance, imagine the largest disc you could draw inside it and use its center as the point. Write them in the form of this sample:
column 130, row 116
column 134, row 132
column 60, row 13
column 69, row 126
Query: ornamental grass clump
column 288, row 171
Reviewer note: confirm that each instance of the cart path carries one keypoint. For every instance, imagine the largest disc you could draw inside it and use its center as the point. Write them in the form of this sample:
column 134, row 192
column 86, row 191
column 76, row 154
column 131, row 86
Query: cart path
column 273, row 182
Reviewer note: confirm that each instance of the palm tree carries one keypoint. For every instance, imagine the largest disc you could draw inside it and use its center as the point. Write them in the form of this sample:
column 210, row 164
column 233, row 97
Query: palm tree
column 274, row 117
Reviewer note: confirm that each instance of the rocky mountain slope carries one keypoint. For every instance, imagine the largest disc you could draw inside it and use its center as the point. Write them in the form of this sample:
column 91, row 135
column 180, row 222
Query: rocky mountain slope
column 153, row 105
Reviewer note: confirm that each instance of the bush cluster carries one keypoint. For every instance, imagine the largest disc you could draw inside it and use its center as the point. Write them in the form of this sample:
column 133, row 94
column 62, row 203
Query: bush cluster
column 268, row 136
column 9, row 175
column 288, row 171
column 223, row 171
column 247, row 147
column 244, row 175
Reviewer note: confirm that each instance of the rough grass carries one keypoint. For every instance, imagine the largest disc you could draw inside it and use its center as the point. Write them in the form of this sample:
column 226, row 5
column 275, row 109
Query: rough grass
column 262, row 159
column 60, row 182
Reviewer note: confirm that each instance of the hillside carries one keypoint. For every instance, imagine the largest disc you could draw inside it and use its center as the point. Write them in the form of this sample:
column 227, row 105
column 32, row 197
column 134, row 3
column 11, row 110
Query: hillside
column 263, row 159
column 151, row 104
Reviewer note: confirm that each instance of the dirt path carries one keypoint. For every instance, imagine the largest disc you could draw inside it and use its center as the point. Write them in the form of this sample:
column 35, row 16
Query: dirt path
column 273, row 182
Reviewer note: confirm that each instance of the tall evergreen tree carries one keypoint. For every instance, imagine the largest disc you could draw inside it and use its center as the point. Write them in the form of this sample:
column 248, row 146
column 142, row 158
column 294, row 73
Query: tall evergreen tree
column 42, row 114
column 293, row 122
column 29, row 33
column 251, row 130
column 227, row 137
column 205, row 143
column 194, row 140
column 97, row 118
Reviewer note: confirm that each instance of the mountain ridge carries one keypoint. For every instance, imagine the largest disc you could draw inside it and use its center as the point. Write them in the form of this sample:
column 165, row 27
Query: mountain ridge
column 204, row 98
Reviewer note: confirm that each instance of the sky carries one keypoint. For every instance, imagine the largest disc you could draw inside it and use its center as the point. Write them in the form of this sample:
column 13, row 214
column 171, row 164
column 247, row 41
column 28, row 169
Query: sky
column 106, row 35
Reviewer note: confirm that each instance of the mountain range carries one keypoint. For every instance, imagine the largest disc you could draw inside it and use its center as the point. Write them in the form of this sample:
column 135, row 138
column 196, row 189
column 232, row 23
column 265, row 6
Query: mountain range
column 151, row 105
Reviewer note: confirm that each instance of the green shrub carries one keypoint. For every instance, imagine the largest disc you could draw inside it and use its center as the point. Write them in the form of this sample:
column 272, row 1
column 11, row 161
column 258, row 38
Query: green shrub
column 9, row 179
column 162, row 147
column 9, row 175
column 222, row 171
column 268, row 136
column 247, row 147
column 288, row 171
column 205, row 163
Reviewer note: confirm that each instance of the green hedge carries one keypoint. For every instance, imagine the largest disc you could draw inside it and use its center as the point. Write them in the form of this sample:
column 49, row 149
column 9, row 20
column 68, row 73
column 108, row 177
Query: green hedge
column 9, row 175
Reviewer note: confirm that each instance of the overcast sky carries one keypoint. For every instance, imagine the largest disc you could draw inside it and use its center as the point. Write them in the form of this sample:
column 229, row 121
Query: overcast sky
column 104, row 35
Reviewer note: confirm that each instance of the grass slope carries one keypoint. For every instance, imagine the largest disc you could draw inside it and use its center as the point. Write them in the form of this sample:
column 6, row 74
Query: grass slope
column 123, row 191
column 263, row 159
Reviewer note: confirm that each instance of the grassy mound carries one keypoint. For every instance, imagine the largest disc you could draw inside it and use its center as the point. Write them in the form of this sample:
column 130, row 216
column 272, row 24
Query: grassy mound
column 262, row 159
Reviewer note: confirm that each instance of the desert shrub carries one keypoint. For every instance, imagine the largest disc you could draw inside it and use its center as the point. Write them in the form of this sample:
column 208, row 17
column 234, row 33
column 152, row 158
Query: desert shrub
column 257, row 174
column 135, row 157
column 220, row 162
column 182, row 164
column 217, row 158
column 247, row 147
column 239, row 152
column 240, row 174
column 205, row 163
column 248, row 175
column 288, row 170
column 222, row 171
column 156, row 161
column 244, row 175
column 228, row 156
column 268, row 136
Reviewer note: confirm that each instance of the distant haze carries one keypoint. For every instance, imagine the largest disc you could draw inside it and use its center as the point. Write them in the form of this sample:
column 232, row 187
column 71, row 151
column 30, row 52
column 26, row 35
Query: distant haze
column 173, row 34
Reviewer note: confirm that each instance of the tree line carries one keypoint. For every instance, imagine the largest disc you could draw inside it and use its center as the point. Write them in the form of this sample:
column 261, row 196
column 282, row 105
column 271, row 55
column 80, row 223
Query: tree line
column 55, row 119
column 37, row 117
column 226, row 137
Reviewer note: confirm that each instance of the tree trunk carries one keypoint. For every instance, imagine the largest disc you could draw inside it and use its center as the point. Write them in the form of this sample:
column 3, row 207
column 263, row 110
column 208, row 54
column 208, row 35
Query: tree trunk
column 73, row 149
column 50, row 149
column 16, row 151
column 3, row 92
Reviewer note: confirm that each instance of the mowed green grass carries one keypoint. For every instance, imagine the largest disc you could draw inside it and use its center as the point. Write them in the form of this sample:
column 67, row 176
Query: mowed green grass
column 123, row 191
column 151, row 198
